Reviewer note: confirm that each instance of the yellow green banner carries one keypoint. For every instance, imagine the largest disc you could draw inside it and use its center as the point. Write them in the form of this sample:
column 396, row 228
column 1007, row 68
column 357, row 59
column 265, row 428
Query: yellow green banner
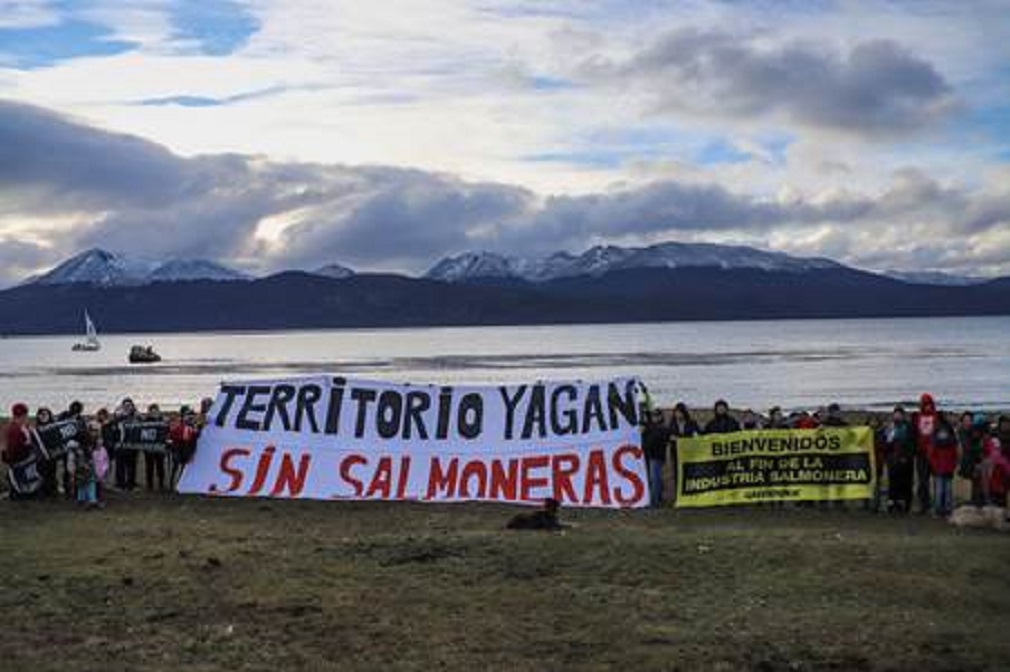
column 788, row 465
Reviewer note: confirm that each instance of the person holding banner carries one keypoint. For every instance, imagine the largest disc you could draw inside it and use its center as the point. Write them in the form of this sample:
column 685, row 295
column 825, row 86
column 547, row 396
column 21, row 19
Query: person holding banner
column 105, row 437
column 154, row 461
column 46, row 465
column 19, row 448
column 776, row 420
column 655, row 440
column 74, row 412
column 682, row 426
column 182, row 435
column 722, row 422
column 126, row 460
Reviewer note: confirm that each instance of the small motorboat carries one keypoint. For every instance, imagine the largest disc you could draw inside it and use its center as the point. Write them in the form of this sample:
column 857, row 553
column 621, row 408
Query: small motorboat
column 90, row 343
column 143, row 354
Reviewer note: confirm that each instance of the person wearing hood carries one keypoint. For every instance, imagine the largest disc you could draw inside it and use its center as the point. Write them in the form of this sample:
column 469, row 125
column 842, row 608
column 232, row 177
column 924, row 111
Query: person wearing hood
column 924, row 423
column 722, row 422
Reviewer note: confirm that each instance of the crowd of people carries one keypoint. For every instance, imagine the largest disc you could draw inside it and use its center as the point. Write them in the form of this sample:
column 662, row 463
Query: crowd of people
column 90, row 454
column 918, row 455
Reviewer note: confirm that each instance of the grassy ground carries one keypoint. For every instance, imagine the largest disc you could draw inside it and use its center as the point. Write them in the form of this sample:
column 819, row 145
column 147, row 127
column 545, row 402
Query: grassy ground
column 170, row 583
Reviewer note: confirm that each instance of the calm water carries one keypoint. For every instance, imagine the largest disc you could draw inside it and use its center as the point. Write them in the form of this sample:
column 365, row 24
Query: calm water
column 965, row 362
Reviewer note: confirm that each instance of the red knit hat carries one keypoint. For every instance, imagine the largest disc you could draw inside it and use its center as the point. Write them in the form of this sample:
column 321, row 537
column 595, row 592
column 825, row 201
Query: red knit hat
column 18, row 410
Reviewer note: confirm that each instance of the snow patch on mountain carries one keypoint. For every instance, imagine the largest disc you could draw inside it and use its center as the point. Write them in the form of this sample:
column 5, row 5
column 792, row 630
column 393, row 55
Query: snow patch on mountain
column 935, row 278
column 178, row 270
column 107, row 269
column 599, row 260
column 335, row 271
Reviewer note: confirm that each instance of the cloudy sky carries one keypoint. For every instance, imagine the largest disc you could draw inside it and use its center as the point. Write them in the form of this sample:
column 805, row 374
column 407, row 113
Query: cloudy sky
column 274, row 134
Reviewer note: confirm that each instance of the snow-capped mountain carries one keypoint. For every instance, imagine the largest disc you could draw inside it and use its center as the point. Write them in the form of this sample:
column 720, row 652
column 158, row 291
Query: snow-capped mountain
column 602, row 259
column 476, row 265
column 176, row 270
column 334, row 271
column 935, row 278
column 106, row 269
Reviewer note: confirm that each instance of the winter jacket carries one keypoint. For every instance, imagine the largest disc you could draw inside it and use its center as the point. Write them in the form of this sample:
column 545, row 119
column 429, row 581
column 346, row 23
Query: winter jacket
column 943, row 453
column 900, row 444
column 722, row 424
column 925, row 422
column 971, row 451
column 690, row 428
column 19, row 445
column 655, row 438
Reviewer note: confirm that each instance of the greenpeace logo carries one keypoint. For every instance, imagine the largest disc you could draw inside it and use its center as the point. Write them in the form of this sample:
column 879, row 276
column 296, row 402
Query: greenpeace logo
column 772, row 494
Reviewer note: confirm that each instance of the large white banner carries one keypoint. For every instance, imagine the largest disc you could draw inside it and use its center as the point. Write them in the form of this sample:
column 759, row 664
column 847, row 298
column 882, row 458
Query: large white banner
column 332, row 438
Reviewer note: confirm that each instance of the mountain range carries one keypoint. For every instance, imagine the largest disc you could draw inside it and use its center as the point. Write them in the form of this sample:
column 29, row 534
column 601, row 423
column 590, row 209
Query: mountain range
column 107, row 269
column 600, row 260
column 670, row 281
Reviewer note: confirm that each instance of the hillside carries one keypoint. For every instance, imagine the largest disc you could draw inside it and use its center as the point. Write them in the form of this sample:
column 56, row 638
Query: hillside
column 300, row 300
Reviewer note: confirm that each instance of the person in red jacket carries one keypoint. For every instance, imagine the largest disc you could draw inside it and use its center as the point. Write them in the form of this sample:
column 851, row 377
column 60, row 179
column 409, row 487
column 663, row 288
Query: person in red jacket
column 182, row 436
column 924, row 422
column 995, row 472
column 943, row 463
column 19, row 442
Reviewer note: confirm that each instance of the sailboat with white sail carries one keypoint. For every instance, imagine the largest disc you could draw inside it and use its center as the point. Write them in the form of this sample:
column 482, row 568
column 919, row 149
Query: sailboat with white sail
column 90, row 343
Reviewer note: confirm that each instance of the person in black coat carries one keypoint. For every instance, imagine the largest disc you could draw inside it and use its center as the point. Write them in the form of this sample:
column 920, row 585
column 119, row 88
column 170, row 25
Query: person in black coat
column 722, row 422
column 682, row 425
column 655, row 439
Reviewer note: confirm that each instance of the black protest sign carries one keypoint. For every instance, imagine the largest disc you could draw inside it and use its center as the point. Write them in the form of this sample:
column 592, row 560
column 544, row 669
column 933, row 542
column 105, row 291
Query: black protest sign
column 54, row 438
column 25, row 478
column 150, row 436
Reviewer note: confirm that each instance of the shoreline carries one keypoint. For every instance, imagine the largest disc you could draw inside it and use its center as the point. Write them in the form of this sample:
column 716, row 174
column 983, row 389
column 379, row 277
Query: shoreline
column 252, row 331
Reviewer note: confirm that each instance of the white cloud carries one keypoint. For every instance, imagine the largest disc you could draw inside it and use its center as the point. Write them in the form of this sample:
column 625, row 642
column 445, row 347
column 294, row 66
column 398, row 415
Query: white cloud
column 490, row 93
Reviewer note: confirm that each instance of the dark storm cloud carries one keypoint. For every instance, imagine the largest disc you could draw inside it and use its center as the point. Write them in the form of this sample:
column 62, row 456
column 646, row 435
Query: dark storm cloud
column 403, row 216
column 876, row 88
column 18, row 259
column 51, row 157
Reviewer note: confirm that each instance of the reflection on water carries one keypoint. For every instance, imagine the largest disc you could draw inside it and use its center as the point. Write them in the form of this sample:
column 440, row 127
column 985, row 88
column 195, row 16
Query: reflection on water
column 963, row 361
